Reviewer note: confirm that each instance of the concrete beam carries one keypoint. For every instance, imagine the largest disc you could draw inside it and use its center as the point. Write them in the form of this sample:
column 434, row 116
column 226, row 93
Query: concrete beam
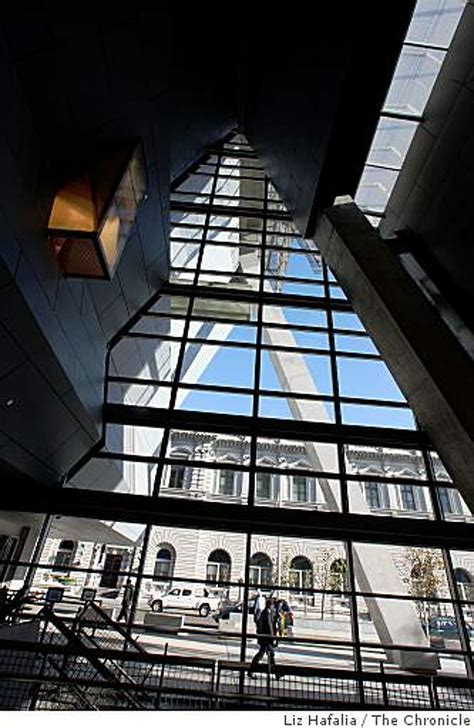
column 431, row 368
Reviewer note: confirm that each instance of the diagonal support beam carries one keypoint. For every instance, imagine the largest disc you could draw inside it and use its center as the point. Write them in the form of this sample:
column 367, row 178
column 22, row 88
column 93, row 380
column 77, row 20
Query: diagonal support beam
column 430, row 366
column 395, row 622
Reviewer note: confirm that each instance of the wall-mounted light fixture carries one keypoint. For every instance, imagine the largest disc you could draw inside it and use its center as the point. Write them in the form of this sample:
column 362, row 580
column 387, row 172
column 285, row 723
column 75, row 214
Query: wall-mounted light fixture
column 92, row 215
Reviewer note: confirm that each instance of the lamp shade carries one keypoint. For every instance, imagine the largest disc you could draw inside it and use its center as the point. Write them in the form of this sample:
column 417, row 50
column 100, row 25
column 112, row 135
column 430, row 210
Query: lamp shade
column 92, row 216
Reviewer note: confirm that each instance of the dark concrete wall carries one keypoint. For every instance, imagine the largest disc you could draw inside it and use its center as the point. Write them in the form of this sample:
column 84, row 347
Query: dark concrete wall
column 289, row 123
column 67, row 85
column 433, row 194
column 314, row 95
column 200, row 116
column 44, row 424
column 201, row 88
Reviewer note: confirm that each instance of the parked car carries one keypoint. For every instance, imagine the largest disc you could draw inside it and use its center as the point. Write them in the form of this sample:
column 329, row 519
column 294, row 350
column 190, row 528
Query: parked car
column 441, row 629
column 224, row 611
column 287, row 618
column 108, row 598
column 186, row 598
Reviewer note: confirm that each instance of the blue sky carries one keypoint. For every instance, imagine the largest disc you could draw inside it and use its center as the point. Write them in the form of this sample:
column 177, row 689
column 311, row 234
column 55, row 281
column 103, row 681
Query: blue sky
column 357, row 378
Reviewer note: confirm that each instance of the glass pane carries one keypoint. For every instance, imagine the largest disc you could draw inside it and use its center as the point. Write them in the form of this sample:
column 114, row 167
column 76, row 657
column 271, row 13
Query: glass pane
column 81, row 554
column 184, row 255
column 434, row 21
column 133, row 440
column 153, row 325
column 297, row 491
column 226, row 366
column 411, row 571
column 358, row 344
column 390, row 499
column 359, row 414
column 207, row 446
column 204, row 575
column 347, row 321
column 211, row 401
column 140, row 395
column 414, row 79
column 385, row 461
column 212, row 484
column 19, row 533
column 375, row 188
column 310, row 317
column 370, row 379
column 293, row 372
column 297, row 409
column 297, row 454
column 391, row 142
column 145, row 358
column 222, row 308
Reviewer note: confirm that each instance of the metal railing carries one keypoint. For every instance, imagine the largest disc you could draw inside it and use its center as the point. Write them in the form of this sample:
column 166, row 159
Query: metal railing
column 64, row 671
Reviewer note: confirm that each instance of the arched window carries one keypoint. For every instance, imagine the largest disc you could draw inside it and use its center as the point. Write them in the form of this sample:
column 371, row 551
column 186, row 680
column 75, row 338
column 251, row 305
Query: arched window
column 261, row 570
column 465, row 583
column 301, row 573
column 64, row 555
column 218, row 566
column 164, row 563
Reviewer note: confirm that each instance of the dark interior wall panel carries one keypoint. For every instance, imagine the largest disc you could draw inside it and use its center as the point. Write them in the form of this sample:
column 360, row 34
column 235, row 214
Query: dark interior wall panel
column 289, row 121
column 315, row 87
column 200, row 115
column 66, row 88
column 44, row 425
column 201, row 104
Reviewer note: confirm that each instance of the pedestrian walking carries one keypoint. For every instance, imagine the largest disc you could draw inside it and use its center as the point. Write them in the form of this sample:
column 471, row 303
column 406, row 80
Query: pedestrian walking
column 126, row 602
column 266, row 637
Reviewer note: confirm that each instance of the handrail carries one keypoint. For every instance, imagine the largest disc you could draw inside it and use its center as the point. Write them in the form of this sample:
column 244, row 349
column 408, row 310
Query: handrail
column 75, row 688
column 216, row 687
column 88, row 683
column 84, row 651
column 82, row 614
column 328, row 672
column 203, row 662
column 208, row 663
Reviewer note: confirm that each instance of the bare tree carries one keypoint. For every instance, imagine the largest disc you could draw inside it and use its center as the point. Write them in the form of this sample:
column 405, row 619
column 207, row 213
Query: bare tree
column 424, row 573
column 323, row 577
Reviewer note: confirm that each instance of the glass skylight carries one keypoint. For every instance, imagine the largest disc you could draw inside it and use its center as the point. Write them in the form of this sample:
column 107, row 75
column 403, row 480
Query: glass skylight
column 428, row 38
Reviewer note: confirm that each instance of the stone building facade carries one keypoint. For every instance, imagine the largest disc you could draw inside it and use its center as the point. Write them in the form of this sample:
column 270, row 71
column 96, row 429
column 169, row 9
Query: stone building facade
column 175, row 555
